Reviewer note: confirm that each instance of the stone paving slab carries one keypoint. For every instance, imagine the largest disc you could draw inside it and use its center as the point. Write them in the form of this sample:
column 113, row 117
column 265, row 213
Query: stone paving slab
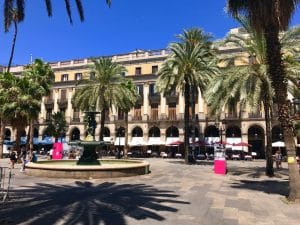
column 173, row 193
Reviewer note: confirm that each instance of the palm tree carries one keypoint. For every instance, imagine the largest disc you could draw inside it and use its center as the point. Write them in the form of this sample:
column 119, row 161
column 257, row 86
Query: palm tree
column 269, row 18
column 125, row 103
column 42, row 76
column 20, row 5
column 21, row 105
column 7, row 81
column 188, row 66
column 251, row 84
column 103, row 91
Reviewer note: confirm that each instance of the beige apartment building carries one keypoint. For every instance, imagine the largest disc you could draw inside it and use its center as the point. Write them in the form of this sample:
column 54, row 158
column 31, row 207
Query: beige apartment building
column 156, row 122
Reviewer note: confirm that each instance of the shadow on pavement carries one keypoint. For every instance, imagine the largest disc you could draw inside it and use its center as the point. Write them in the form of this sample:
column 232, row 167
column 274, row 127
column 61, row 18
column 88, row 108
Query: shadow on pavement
column 254, row 172
column 267, row 186
column 86, row 203
column 202, row 162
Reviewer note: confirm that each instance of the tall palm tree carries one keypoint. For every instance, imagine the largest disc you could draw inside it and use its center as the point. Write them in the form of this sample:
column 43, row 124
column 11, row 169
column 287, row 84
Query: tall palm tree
column 22, row 104
column 42, row 76
column 102, row 92
column 251, row 84
column 188, row 66
column 269, row 18
column 126, row 102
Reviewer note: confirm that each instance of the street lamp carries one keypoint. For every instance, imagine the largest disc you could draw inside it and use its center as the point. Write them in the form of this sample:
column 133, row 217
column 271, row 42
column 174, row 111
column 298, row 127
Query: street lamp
column 221, row 129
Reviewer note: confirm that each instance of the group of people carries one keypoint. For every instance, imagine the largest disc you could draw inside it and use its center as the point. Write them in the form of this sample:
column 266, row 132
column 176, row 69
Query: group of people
column 23, row 156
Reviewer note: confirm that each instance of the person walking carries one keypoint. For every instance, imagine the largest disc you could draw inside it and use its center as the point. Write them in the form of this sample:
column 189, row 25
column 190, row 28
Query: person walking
column 23, row 156
column 278, row 158
column 13, row 159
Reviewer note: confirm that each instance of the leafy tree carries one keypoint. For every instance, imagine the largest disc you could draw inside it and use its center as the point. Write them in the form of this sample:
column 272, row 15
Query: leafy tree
column 187, row 68
column 269, row 18
column 57, row 125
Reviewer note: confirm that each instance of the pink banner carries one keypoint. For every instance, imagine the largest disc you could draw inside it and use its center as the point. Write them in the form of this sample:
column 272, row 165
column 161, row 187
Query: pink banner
column 220, row 166
column 57, row 151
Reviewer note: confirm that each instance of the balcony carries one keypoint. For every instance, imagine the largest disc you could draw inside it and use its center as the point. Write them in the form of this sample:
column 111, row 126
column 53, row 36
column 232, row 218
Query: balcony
column 231, row 116
column 154, row 99
column 62, row 102
column 172, row 99
column 139, row 100
column 49, row 103
column 254, row 115
column 137, row 118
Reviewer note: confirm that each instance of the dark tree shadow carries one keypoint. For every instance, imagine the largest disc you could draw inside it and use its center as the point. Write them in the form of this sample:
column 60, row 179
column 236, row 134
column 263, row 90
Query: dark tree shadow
column 198, row 162
column 86, row 203
column 268, row 186
column 254, row 172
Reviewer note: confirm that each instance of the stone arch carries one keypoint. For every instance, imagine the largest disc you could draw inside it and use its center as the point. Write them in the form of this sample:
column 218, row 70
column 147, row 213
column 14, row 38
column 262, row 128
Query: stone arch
column 35, row 132
column 106, row 132
column 74, row 134
column 256, row 138
column 137, row 132
column 233, row 131
column 7, row 134
column 154, row 132
column 120, row 132
column 277, row 133
column 191, row 131
column 172, row 131
column 211, row 131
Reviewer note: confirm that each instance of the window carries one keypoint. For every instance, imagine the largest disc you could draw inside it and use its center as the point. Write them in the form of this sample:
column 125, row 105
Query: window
column 121, row 115
column 152, row 90
column 123, row 73
column 154, row 69
column 137, row 113
column 154, row 112
column 92, row 75
column 139, row 89
column 48, row 114
column 78, row 76
column 76, row 114
column 172, row 111
column 138, row 70
column 63, row 94
column 64, row 77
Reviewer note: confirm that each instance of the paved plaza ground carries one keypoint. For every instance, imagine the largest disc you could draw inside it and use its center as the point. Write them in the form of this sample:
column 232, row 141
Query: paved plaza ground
column 172, row 194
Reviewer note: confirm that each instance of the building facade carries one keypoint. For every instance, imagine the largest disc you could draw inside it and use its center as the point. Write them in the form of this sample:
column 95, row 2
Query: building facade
column 156, row 122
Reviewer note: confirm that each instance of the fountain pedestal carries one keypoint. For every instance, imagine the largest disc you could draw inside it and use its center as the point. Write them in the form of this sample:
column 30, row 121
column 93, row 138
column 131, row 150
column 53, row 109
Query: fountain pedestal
column 89, row 156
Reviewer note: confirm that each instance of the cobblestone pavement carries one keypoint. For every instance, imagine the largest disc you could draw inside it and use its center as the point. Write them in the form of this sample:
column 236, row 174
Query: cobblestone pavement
column 173, row 193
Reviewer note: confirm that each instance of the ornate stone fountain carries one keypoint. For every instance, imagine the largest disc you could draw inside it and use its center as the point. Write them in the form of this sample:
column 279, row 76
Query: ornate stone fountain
column 89, row 156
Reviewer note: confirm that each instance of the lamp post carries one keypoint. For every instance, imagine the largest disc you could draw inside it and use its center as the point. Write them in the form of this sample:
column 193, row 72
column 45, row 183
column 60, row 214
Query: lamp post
column 221, row 129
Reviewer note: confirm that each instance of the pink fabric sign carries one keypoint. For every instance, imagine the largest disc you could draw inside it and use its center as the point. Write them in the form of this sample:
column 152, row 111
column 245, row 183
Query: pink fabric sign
column 57, row 151
column 220, row 167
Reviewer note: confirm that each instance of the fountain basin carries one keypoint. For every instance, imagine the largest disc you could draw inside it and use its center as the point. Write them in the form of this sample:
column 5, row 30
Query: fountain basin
column 109, row 168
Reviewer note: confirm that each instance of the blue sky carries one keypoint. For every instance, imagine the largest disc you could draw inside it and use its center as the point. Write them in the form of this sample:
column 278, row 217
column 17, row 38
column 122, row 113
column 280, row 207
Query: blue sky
column 126, row 26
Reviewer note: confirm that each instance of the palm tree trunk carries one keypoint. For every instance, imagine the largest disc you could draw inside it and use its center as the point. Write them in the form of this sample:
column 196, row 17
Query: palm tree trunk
column 126, row 136
column 2, row 131
column 30, row 139
column 193, row 122
column 279, row 83
column 13, row 46
column 102, row 123
column 269, row 156
column 186, row 121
